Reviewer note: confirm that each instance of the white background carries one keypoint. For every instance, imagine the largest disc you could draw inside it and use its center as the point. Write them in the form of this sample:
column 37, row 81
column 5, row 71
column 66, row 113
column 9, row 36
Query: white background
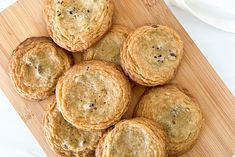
column 216, row 45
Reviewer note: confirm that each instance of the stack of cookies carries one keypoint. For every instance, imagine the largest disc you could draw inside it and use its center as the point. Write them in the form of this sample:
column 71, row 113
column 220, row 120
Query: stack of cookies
column 110, row 83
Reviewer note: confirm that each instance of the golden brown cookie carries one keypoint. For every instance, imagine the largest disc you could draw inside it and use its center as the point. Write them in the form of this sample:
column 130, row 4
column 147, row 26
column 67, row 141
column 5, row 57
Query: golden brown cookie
column 35, row 66
column 108, row 48
column 177, row 112
column 93, row 95
column 151, row 55
column 137, row 137
column 77, row 25
column 67, row 140
column 136, row 92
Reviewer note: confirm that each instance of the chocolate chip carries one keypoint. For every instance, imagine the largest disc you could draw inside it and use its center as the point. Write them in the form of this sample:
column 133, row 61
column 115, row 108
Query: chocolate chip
column 173, row 122
column 58, row 13
column 157, row 47
column 159, row 58
column 39, row 69
column 91, row 105
column 173, row 110
column 95, row 108
column 88, row 11
column 155, row 26
column 60, row 2
column 72, row 10
column 173, row 54
column 65, row 146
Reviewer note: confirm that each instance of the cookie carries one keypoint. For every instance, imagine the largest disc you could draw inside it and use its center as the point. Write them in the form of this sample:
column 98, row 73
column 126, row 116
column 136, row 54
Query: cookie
column 136, row 92
column 67, row 140
column 151, row 55
column 177, row 112
column 77, row 25
column 108, row 48
column 35, row 66
column 137, row 137
column 93, row 95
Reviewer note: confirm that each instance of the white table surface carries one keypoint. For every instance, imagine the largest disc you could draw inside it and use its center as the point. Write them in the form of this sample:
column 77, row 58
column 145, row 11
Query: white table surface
column 217, row 46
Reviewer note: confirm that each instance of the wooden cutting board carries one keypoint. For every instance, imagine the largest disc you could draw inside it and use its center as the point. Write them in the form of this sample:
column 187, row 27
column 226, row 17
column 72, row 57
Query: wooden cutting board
column 24, row 19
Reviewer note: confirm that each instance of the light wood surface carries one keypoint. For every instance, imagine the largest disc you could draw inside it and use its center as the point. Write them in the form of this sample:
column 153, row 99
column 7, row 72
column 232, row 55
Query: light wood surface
column 24, row 19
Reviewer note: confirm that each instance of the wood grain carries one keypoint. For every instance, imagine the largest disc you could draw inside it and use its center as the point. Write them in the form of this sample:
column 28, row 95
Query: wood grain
column 24, row 19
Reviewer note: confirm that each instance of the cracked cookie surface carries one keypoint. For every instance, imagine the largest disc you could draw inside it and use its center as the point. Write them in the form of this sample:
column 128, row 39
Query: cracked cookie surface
column 177, row 112
column 77, row 25
column 151, row 55
column 108, row 48
column 66, row 139
column 35, row 66
column 93, row 95
column 135, row 137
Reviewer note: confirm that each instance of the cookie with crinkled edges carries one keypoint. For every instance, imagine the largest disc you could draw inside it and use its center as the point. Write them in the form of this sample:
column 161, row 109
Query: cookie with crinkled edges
column 35, row 66
column 108, row 48
column 151, row 55
column 177, row 112
column 67, row 140
column 93, row 95
column 135, row 137
column 77, row 25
